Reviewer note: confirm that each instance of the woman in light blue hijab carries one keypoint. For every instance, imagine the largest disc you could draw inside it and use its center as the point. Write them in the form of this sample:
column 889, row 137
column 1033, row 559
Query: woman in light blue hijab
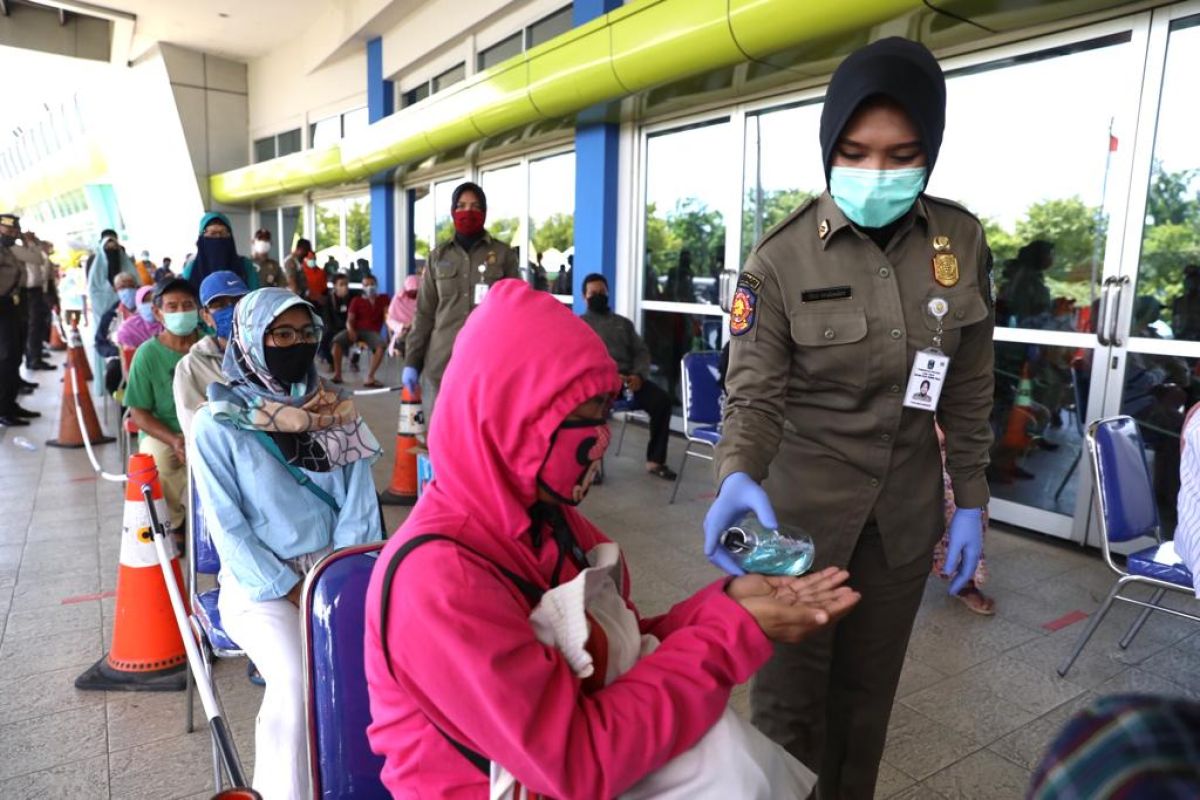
column 282, row 463
column 110, row 260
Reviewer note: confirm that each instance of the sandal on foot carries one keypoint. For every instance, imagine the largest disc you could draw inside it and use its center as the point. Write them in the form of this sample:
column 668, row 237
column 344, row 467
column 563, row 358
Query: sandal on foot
column 335, row 380
column 372, row 384
column 663, row 471
column 977, row 602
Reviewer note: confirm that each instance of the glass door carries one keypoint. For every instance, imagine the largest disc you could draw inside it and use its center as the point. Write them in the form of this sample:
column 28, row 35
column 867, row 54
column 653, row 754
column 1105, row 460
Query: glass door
column 688, row 184
column 1151, row 319
column 1037, row 145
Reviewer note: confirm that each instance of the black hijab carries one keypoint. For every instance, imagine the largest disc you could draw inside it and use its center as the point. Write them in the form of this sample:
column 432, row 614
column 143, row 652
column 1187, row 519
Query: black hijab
column 899, row 69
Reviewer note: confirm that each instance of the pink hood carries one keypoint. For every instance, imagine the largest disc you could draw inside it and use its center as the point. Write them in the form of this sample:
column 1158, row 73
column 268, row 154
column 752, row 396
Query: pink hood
column 463, row 654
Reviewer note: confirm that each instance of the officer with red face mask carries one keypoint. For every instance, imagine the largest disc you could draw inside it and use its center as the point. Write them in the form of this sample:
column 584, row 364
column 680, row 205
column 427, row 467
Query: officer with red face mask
column 459, row 275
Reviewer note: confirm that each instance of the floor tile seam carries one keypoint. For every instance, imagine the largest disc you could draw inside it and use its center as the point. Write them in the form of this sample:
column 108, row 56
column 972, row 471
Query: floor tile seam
column 972, row 736
column 918, row 781
column 51, row 767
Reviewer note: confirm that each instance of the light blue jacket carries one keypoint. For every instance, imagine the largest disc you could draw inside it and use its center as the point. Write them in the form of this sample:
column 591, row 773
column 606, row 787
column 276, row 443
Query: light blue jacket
column 258, row 515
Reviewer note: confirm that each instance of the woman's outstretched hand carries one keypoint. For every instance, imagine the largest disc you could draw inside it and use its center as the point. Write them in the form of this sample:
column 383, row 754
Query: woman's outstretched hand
column 789, row 609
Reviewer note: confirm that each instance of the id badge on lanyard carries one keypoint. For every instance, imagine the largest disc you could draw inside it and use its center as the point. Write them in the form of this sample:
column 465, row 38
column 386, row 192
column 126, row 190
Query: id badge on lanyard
column 929, row 367
column 481, row 288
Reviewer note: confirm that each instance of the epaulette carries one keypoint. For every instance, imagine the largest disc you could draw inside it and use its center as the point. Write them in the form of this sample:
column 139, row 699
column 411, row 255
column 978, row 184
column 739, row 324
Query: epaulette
column 783, row 223
column 956, row 206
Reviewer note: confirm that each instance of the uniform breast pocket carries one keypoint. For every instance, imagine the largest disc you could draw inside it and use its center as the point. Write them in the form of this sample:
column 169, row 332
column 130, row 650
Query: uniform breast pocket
column 965, row 307
column 446, row 273
column 832, row 346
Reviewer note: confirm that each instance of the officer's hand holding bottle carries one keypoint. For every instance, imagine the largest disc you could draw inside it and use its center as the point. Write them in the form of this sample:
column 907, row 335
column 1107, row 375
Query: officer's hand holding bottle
column 787, row 608
column 411, row 380
column 966, row 545
column 738, row 495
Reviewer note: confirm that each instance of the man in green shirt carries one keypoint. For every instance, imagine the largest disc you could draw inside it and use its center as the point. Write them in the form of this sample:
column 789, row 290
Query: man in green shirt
column 148, row 392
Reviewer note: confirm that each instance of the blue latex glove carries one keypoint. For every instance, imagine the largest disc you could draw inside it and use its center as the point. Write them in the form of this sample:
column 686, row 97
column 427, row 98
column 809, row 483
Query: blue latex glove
column 411, row 380
column 739, row 494
column 966, row 546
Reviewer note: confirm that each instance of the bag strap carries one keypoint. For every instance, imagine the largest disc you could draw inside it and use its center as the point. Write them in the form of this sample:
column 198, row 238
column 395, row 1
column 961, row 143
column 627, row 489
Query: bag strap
column 532, row 593
column 297, row 473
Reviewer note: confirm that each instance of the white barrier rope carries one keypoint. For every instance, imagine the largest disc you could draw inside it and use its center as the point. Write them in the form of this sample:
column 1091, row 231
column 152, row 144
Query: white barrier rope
column 383, row 390
column 87, row 442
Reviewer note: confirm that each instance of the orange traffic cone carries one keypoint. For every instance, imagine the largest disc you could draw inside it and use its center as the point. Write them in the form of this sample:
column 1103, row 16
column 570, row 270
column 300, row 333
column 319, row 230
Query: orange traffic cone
column 403, row 489
column 1016, row 435
column 56, row 341
column 147, row 652
column 75, row 390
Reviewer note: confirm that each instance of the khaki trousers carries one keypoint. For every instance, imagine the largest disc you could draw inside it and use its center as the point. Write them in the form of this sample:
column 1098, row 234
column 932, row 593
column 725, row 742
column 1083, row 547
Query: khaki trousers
column 828, row 699
column 172, row 474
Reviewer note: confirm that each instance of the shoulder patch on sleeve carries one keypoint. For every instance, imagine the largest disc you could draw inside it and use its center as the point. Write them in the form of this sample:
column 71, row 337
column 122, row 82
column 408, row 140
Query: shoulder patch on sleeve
column 750, row 281
column 742, row 311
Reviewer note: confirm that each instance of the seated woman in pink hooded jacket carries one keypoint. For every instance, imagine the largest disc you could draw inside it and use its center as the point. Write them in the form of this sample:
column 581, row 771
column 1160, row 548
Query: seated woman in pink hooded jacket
column 458, row 680
column 400, row 314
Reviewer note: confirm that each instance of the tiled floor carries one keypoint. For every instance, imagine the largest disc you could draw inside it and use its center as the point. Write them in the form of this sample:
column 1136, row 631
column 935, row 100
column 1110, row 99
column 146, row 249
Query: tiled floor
column 978, row 700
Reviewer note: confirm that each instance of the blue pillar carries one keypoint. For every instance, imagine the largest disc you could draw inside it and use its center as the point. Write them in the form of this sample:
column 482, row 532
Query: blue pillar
column 381, row 103
column 596, row 152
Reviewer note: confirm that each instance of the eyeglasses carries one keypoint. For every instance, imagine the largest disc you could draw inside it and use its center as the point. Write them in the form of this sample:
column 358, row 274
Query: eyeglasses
column 286, row 335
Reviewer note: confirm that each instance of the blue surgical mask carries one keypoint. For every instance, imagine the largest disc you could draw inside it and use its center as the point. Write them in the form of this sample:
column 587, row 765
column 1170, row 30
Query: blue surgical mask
column 146, row 311
column 180, row 323
column 873, row 198
column 223, row 320
column 128, row 297
column 370, row 291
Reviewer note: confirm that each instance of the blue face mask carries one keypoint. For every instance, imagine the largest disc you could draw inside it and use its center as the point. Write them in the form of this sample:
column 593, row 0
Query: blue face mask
column 146, row 312
column 128, row 297
column 223, row 321
column 873, row 198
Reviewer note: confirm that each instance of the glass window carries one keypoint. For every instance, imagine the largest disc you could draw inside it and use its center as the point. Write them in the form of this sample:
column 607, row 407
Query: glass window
column 288, row 142
column 354, row 121
column 449, row 77
column 684, row 233
column 783, row 167
column 501, row 51
column 552, row 219
column 415, row 95
column 264, row 149
column 329, row 224
column 269, row 220
column 669, row 335
column 443, row 223
column 506, row 204
column 1169, row 268
column 358, row 225
column 422, row 223
column 550, row 26
column 1047, row 117
column 325, row 132
column 291, row 221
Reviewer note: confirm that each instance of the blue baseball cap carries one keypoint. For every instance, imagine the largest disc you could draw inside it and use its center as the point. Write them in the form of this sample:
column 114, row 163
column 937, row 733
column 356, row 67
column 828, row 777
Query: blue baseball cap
column 222, row 284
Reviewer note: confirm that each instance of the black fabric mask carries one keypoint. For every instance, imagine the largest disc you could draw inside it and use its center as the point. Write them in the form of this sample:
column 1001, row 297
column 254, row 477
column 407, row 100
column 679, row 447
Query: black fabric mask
column 290, row 365
column 899, row 69
column 8, row 241
column 598, row 303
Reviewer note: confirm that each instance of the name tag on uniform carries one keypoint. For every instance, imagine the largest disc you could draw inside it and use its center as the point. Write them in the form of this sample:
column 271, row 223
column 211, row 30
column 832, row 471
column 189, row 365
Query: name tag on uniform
column 829, row 293
column 481, row 290
column 925, row 379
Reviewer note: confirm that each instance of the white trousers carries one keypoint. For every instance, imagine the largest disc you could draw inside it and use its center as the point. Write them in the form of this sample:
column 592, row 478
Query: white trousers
column 269, row 632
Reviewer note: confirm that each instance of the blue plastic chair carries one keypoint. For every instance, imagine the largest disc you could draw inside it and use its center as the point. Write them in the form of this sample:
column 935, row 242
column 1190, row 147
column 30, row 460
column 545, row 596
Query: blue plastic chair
column 1125, row 495
column 336, row 703
column 625, row 410
column 204, row 617
column 701, row 408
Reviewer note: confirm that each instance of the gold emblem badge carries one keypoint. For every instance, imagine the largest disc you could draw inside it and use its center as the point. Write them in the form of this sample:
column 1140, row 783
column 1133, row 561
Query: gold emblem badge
column 945, row 269
column 823, row 229
column 491, row 259
column 941, row 244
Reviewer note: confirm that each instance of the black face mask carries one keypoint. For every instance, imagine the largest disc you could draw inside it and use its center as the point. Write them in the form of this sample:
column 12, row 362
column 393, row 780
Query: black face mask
column 290, row 365
column 598, row 303
column 8, row 241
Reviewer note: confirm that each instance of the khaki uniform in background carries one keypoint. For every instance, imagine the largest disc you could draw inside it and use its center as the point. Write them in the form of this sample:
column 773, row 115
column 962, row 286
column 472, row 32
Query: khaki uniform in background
column 446, row 297
column 829, row 326
column 12, row 340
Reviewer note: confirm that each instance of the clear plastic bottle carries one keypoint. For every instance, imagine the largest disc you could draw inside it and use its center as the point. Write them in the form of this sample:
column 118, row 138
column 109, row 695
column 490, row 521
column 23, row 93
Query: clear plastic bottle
column 757, row 548
column 23, row 443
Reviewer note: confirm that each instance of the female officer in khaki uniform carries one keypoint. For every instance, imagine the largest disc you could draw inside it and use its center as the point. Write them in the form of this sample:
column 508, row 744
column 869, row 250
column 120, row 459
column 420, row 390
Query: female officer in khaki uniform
column 841, row 314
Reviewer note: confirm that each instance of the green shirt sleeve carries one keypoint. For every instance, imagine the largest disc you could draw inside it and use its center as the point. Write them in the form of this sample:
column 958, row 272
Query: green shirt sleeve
column 139, row 387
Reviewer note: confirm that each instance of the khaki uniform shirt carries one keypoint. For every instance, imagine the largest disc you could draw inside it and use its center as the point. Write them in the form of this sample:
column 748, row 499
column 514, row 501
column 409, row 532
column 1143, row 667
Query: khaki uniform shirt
column 270, row 274
column 818, row 373
column 12, row 272
column 447, row 296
